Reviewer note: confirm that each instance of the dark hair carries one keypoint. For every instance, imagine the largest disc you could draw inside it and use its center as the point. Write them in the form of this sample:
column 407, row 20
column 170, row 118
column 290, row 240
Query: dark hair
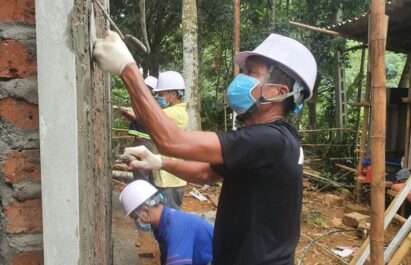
column 277, row 76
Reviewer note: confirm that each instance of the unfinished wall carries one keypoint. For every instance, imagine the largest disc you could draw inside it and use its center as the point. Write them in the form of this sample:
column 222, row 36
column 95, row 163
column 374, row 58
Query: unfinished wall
column 94, row 128
column 22, row 229
column 20, row 196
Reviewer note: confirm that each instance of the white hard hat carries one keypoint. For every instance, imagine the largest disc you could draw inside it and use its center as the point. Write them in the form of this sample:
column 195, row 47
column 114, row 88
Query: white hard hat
column 293, row 58
column 135, row 194
column 151, row 81
column 169, row 80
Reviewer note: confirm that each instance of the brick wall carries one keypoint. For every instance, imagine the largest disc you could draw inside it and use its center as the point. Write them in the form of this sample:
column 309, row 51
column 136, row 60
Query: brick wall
column 20, row 191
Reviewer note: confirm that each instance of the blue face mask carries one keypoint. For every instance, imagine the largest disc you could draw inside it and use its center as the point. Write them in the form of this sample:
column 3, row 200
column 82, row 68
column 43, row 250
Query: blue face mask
column 162, row 102
column 142, row 227
column 239, row 93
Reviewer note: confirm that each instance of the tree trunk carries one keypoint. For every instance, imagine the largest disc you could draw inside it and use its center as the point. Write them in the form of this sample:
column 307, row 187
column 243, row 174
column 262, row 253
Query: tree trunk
column 312, row 103
column 271, row 19
column 190, row 64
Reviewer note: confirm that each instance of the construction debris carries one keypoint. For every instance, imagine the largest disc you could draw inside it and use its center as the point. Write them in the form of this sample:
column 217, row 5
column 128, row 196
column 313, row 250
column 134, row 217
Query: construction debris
column 196, row 194
column 353, row 219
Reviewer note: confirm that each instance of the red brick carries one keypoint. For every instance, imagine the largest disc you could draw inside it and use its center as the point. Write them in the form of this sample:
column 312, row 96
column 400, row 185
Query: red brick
column 20, row 113
column 24, row 217
column 20, row 165
column 28, row 258
column 15, row 60
column 17, row 10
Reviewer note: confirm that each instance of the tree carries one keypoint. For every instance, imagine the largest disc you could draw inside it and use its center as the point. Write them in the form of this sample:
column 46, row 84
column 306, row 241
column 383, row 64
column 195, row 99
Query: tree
column 190, row 63
column 163, row 19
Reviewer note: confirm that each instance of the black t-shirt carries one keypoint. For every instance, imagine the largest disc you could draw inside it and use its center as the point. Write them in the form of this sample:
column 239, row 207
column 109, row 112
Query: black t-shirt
column 258, row 217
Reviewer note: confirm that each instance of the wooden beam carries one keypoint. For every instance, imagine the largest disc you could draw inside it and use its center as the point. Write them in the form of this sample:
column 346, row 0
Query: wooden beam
column 316, row 29
column 408, row 124
column 329, row 129
column 346, row 168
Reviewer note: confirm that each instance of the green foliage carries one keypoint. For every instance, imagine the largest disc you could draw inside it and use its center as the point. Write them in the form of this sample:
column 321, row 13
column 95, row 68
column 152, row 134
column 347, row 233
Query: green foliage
column 313, row 217
column 120, row 98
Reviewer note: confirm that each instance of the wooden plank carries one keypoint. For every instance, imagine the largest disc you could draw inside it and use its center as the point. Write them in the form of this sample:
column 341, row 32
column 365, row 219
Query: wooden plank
column 346, row 168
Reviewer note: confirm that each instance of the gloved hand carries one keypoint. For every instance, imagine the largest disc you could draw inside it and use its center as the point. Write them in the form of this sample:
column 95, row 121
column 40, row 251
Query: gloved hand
column 148, row 160
column 112, row 54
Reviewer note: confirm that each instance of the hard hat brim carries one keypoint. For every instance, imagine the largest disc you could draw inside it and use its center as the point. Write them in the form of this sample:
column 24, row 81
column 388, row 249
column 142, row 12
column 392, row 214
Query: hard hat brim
column 241, row 57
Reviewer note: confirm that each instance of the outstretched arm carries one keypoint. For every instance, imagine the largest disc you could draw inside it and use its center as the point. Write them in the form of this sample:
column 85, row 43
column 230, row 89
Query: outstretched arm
column 169, row 139
column 191, row 171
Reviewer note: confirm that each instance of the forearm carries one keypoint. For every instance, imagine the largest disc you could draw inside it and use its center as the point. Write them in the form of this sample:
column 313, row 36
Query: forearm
column 160, row 126
column 191, row 171
column 170, row 140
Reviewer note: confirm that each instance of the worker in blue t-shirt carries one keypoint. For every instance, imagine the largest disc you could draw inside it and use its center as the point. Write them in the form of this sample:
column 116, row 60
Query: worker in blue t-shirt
column 183, row 238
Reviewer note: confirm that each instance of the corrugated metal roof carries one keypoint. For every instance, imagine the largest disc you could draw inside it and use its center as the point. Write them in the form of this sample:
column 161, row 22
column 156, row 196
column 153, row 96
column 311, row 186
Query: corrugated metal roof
column 399, row 27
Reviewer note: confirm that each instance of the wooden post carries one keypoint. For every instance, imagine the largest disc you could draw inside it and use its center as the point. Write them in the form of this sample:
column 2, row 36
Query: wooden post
column 407, row 123
column 236, row 32
column 377, row 39
column 401, row 252
column 236, row 42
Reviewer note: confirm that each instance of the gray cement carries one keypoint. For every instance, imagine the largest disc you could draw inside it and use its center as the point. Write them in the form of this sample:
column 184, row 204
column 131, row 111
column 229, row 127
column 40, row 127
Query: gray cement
column 26, row 190
column 27, row 241
column 25, row 89
column 17, row 31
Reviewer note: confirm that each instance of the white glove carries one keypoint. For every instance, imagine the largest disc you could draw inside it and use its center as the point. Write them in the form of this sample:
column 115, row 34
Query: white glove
column 148, row 160
column 112, row 54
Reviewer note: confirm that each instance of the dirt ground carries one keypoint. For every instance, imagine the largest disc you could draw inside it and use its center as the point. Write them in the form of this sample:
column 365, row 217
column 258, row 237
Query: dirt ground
column 322, row 213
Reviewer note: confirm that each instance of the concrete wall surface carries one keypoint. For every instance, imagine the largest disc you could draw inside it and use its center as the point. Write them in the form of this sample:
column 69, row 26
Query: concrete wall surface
column 55, row 182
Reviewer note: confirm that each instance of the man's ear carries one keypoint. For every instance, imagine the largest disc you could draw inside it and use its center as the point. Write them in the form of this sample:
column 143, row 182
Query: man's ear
column 282, row 90
column 145, row 212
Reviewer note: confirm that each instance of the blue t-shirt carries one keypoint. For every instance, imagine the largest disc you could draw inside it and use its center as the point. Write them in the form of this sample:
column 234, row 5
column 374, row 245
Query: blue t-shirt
column 184, row 238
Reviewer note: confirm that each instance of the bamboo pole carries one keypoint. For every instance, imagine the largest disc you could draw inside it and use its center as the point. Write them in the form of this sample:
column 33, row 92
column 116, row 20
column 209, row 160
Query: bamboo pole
column 401, row 252
column 346, row 168
column 323, row 130
column 364, row 131
column 316, row 29
column 236, row 42
column 236, row 33
column 407, row 124
column 377, row 39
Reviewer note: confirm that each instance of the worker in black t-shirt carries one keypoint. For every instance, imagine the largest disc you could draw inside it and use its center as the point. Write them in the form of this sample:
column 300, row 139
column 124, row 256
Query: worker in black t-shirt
column 258, row 216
